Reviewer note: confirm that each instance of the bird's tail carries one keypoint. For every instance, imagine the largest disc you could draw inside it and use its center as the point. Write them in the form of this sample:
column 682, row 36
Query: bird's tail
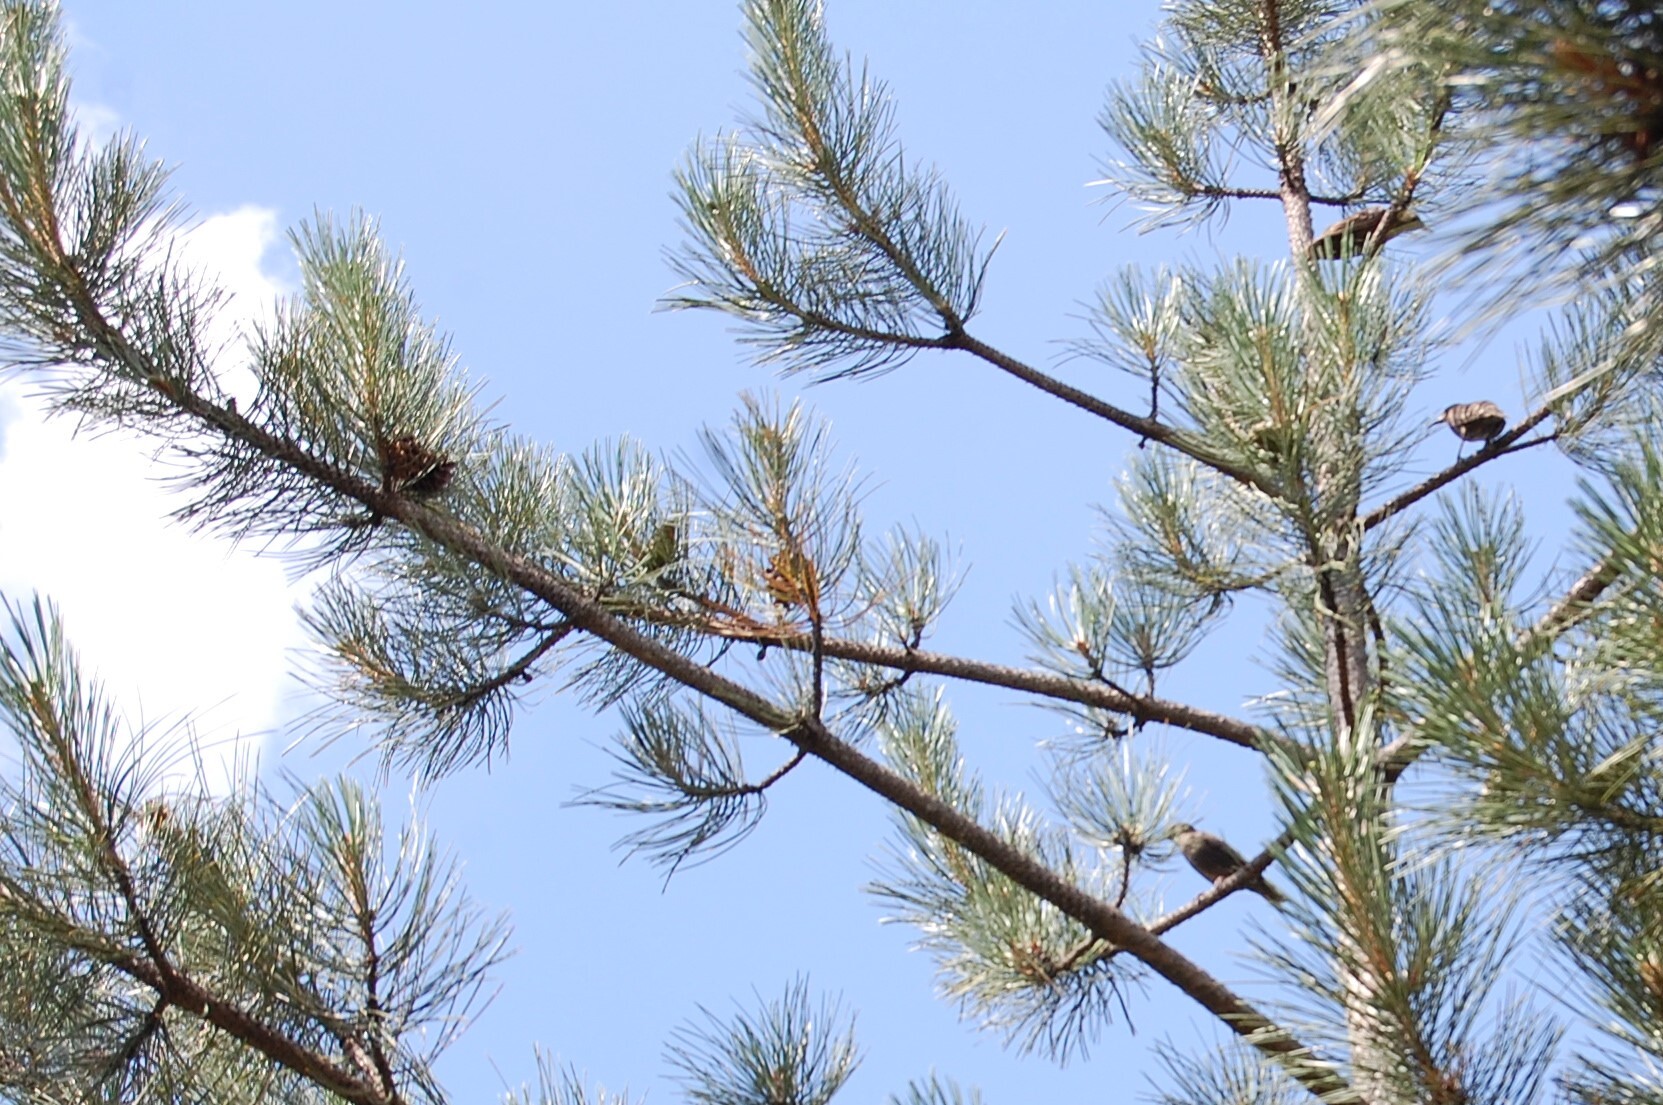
column 1266, row 890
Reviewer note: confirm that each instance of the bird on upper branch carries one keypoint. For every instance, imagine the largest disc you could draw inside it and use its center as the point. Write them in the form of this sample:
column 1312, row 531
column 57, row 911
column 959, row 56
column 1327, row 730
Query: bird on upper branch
column 1478, row 421
column 1349, row 236
column 1214, row 859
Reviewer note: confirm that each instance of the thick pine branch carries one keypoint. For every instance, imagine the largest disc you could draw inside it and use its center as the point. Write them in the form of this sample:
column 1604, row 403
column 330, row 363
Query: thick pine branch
column 811, row 735
column 180, row 991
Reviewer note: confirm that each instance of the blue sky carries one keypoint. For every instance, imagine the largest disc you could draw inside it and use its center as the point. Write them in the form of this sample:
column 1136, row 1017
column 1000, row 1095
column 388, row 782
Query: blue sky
column 520, row 158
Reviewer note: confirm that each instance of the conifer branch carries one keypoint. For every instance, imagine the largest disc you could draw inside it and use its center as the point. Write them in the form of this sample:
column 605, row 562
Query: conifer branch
column 812, row 736
column 184, row 993
column 1142, row 708
column 1574, row 604
column 1499, row 446
column 822, row 237
column 157, row 970
column 1147, row 428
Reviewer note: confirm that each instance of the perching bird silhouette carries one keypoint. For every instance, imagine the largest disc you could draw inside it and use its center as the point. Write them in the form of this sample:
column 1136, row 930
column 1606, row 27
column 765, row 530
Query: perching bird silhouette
column 1478, row 421
column 1216, row 860
column 1349, row 236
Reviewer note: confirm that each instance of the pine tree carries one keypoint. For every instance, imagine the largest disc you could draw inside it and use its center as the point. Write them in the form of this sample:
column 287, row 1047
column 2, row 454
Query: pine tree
column 1446, row 710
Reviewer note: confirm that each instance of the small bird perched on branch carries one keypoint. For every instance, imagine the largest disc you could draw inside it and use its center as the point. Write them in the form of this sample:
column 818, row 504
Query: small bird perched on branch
column 1478, row 421
column 1216, row 860
column 1350, row 235
column 792, row 580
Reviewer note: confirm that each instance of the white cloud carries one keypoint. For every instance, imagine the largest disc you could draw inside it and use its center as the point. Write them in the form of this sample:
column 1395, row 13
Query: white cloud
column 172, row 621
column 230, row 249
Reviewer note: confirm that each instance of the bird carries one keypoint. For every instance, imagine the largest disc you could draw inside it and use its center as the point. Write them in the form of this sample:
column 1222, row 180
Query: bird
column 1214, row 859
column 792, row 580
column 1349, row 236
column 663, row 549
column 1478, row 421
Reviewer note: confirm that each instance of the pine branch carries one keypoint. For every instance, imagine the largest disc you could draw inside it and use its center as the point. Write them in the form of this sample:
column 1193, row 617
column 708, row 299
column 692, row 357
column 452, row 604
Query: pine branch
column 182, row 992
column 1214, row 191
column 1142, row 708
column 1103, row 920
column 1330, row 547
column 386, row 500
column 159, row 972
column 1292, row 186
column 1569, row 610
column 1575, row 603
column 1498, row 446
column 1147, row 428
column 380, row 1066
column 809, row 734
column 1332, row 555
column 1242, row 878
column 731, row 624
column 518, row 670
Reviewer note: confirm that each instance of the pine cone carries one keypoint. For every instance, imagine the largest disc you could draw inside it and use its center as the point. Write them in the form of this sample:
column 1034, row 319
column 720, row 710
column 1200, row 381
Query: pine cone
column 411, row 467
column 664, row 549
column 1349, row 236
column 1478, row 421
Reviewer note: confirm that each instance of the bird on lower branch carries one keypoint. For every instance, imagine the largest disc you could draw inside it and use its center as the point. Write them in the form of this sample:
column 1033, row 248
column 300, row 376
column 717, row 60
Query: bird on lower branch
column 1216, row 860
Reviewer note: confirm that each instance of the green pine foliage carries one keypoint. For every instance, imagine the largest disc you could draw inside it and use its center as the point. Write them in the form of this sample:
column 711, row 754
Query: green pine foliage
column 1444, row 708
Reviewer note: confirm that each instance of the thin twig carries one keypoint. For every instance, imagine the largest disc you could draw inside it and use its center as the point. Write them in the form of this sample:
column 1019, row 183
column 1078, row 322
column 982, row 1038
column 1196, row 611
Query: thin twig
column 1145, row 708
column 1219, row 191
column 519, row 669
column 1166, row 434
column 1223, row 888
